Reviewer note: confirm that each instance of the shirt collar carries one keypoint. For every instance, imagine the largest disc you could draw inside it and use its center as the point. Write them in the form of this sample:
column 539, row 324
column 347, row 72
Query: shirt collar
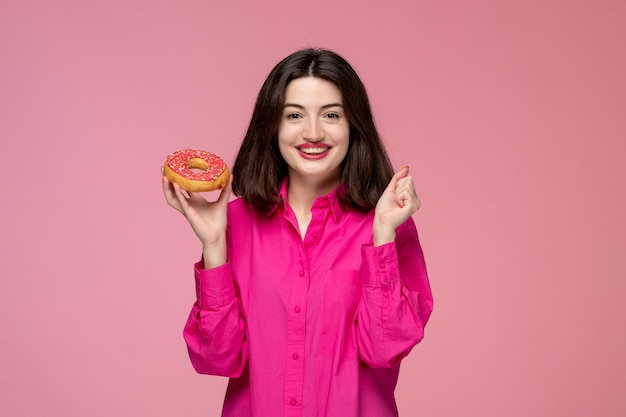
column 329, row 200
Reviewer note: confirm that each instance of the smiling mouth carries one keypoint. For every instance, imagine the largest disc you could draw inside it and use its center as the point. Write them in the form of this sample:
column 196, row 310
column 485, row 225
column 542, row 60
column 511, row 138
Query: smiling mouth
column 313, row 151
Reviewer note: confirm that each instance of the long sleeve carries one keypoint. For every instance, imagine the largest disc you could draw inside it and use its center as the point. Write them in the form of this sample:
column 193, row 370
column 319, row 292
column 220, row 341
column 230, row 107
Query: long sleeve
column 396, row 301
column 215, row 331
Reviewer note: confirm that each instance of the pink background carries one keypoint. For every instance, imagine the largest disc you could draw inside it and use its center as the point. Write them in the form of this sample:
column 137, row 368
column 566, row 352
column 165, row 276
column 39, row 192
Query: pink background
column 510, row 114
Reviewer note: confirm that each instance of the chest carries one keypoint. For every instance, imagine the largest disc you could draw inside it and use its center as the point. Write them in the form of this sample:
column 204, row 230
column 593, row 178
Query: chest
column 271, row 261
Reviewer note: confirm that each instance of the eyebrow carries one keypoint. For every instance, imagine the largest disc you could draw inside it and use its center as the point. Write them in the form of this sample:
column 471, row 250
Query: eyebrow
column 325, row 106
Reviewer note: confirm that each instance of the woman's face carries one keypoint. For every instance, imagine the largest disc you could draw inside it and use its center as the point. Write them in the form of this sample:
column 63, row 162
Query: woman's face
column 314, row 133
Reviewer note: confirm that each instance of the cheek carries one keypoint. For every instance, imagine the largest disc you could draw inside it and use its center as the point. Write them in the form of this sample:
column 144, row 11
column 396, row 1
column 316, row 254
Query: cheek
column 346, row 148
column 286, row 134
column 345, row 154
column 345, row 137
column 344, row 133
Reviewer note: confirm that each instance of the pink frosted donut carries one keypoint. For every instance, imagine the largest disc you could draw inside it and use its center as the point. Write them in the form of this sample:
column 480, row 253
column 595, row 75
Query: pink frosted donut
column 179, row 168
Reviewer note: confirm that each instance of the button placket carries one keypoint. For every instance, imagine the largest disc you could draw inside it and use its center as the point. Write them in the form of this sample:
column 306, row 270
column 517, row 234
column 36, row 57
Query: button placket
column 294, row 367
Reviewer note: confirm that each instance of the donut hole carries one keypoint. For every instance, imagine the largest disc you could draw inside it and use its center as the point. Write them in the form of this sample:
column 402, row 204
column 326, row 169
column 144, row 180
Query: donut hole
column 198, row 165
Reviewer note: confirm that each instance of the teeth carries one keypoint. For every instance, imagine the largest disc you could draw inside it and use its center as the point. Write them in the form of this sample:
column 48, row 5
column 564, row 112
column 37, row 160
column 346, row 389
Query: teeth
column 313, row 151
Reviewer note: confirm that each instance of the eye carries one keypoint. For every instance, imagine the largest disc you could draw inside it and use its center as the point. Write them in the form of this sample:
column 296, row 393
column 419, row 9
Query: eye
column 293, row 116
column 332, row 115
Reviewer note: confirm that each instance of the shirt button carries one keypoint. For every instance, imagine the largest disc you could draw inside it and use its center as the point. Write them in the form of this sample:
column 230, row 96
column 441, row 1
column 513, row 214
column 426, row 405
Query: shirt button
column 296, row 309
column 381, row 265
column 301, row 273
column 316, row 235
column 293, row 401
column 295, row 356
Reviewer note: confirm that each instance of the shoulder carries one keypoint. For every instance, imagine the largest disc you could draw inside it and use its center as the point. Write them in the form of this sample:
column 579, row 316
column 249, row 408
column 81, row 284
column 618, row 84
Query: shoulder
column 243, row 213
column 237, row 208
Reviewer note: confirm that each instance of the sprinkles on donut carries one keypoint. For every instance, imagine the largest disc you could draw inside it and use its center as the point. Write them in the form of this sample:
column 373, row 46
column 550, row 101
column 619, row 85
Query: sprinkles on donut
column 211, row 170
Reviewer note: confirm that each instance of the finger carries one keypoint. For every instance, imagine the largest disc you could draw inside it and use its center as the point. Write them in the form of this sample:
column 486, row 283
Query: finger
column 411, row 190
column 401, row 198
column 412, row 194
column 402, row 173
column 402, row 178
column 165, row 184
column 407, row 198
column 405, row 183
column 195, row 197
column 170, row 196
column 182, row 200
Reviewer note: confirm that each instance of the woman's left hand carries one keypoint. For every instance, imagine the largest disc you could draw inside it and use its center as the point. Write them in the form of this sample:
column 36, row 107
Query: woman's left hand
column 397, row 203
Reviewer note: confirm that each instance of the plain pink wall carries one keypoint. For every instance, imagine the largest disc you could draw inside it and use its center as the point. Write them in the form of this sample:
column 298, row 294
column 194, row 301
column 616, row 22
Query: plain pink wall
column 510, row 114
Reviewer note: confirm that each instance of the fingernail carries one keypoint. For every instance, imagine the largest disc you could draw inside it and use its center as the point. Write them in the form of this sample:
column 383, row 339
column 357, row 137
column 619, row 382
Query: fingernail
column 406, row 166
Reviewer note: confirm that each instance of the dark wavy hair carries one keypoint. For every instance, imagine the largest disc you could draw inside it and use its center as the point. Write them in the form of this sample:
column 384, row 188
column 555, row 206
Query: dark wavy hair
column 259, row 167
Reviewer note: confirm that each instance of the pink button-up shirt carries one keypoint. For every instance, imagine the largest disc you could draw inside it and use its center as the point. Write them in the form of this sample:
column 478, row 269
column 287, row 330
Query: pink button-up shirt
column 314, row 326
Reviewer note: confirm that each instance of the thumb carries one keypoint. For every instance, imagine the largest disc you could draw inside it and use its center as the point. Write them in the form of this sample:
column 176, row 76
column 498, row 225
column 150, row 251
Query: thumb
column 225, row 194
column 403, row 172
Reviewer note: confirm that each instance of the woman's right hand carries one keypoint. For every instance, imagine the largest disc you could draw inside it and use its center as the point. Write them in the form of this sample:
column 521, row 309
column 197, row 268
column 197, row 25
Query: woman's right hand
column 207, row 219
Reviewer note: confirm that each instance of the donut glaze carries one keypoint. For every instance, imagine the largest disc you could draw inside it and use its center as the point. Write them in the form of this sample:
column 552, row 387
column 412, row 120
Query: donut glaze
column 179, row 166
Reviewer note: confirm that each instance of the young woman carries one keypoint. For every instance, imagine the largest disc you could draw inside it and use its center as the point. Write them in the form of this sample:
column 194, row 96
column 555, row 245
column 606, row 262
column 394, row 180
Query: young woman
column 312, row 286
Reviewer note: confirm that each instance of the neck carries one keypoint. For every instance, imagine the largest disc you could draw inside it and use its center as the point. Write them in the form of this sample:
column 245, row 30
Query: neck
column 303, row 192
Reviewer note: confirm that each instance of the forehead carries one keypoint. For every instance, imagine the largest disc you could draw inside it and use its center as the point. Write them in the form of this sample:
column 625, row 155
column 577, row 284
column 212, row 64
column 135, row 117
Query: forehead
column 312, row 90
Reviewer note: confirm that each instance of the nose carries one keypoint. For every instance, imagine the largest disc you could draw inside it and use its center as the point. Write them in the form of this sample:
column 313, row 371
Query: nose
column 312, row 130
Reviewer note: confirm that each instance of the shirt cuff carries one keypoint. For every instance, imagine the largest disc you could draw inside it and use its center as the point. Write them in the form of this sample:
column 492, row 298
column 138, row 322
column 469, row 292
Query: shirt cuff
column 380, row 263
column 214, row 287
